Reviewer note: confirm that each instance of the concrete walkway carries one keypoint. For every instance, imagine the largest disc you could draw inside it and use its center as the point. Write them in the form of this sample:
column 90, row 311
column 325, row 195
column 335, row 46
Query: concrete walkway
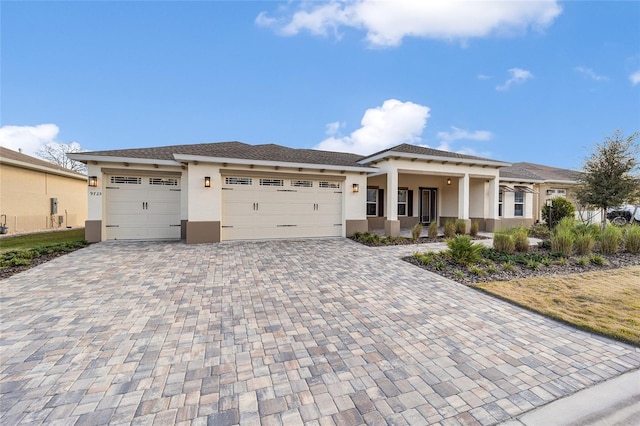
column 280, row 332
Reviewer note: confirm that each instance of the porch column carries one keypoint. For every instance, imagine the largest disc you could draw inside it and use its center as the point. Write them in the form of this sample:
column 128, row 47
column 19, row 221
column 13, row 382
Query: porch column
column 392, row 224
column 492, row 212
column 463, row 200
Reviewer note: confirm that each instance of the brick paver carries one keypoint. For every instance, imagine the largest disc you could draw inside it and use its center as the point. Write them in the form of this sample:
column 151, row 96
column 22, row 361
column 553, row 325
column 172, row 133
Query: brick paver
column 279, row 332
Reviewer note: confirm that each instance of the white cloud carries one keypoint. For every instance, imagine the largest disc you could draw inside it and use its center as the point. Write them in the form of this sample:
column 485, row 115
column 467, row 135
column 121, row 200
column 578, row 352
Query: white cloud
column 388, row 22
column 458, row 134
column 518, row 76
column 591, row 74
column 29, row 139
column 392, row 123
column 483, row 77
column 635, row 78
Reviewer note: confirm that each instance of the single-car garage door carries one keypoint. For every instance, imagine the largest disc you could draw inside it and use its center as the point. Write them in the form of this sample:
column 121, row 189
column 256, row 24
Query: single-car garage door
column 142, row 207
column 280, row 207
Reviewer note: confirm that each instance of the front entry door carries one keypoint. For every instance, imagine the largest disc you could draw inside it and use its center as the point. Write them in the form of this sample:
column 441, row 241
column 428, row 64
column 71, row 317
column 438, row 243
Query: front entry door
column 428, row 205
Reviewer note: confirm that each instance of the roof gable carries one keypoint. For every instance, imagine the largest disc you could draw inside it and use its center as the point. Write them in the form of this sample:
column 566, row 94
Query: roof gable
column 426, row 152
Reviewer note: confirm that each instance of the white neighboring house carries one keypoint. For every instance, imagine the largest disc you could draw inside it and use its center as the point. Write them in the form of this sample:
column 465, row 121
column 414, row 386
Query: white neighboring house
column 234, row 191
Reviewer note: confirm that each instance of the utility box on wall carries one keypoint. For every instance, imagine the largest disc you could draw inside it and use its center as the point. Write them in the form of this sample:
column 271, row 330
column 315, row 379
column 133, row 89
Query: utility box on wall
column 54, row 206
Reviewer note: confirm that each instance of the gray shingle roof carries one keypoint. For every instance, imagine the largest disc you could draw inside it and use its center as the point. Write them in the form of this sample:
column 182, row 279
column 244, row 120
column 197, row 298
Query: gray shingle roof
column 24, row 158
column 532, row 171
column 239, row 150
column 421, row 150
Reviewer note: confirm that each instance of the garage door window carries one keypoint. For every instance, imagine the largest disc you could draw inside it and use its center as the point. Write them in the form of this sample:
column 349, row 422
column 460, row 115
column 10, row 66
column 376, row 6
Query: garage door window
column 237, row 181
column 271, row 182
column 163, row 181
column 126, row 180
column 302, row 183
column 330, row 185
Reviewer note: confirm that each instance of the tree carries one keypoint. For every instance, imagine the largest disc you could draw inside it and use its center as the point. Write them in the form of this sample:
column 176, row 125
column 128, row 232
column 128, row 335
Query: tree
column 56, row 153
column 560, row 208
column 610, row 175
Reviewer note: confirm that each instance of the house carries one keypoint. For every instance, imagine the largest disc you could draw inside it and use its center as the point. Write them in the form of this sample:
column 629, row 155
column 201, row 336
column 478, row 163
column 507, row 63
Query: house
column 36, row 195
column 233, row 191
column 547, row 183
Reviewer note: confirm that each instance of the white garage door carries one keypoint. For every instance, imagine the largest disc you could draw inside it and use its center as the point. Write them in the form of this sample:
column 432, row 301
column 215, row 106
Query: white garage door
column 280, row 207
column 142, row 207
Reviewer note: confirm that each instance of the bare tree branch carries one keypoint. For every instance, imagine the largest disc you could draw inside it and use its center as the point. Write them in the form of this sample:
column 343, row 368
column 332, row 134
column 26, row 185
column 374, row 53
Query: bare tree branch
column 56, row 153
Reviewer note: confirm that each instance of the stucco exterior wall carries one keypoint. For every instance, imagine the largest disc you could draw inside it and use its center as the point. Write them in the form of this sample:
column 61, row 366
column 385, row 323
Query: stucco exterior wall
column 25, row 198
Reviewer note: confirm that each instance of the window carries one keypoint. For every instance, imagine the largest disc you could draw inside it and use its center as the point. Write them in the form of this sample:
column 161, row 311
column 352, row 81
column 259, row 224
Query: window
column 330, row 185
column 518, row 203
column 237, row 181
column 500, row 195
column 272, row 182
column 163, row 181
column 302, row 183
column 126, row 180
column 402, row 202
column 372, row 201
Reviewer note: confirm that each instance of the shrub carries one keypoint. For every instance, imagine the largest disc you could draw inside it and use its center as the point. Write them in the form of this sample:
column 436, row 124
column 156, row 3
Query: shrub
column 560, row 208
column 610, row 239
column 433, row 230
column 439, row 265
column 463, row 251
column 533, row 265
column 461, row 227
column 503, row 242
column 632, row 239
column 459, row 274
column 562, row 243
column 449, row 229
column 584, row 244
column 508, row 266
column 416, row 231
column 596, row 259
column 539, row 231
column 584, row 229
column 583, row 261
column 473, row 230
column 567, row 224
column 477, row 271
column 521, row 240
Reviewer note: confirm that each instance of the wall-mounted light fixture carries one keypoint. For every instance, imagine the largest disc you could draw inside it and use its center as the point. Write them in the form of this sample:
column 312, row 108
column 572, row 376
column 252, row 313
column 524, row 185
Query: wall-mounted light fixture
column 207, row 181
column 448, row 181
column 355, row 187
column 93, row 181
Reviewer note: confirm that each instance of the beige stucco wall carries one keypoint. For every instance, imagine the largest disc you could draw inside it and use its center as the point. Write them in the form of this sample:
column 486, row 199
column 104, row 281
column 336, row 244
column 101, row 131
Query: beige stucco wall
column 25, row 196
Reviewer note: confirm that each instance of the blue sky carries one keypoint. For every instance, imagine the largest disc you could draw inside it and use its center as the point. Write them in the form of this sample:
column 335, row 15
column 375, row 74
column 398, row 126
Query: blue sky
column 510, row 80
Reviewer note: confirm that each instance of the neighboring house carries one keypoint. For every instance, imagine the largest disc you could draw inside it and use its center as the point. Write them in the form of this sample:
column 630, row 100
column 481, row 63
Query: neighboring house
column 547, row 183
column 36, row 195
column 231, row 191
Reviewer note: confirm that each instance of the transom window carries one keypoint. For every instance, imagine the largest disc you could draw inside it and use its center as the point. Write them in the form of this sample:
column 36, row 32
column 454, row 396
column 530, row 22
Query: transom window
column 372, row 201
column 402, row 202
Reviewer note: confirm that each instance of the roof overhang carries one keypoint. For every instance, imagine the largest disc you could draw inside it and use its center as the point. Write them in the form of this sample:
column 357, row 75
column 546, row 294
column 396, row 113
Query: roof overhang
column 268, row 163
column 43, row 169
column 84, row 158
column 433, row 158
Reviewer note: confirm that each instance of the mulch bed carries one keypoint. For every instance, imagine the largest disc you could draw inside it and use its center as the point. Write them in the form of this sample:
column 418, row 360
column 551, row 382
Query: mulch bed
column 572, row 266
column 12, row 270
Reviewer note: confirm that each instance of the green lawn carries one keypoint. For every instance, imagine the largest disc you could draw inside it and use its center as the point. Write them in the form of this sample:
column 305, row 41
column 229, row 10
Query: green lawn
column 29, row 241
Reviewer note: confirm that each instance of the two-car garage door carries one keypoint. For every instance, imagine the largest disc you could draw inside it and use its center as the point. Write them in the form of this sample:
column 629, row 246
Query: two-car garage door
column 255, row 207
column 142, row 207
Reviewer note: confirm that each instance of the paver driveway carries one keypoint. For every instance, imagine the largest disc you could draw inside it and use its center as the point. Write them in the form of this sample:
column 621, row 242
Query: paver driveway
column 320, row 331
